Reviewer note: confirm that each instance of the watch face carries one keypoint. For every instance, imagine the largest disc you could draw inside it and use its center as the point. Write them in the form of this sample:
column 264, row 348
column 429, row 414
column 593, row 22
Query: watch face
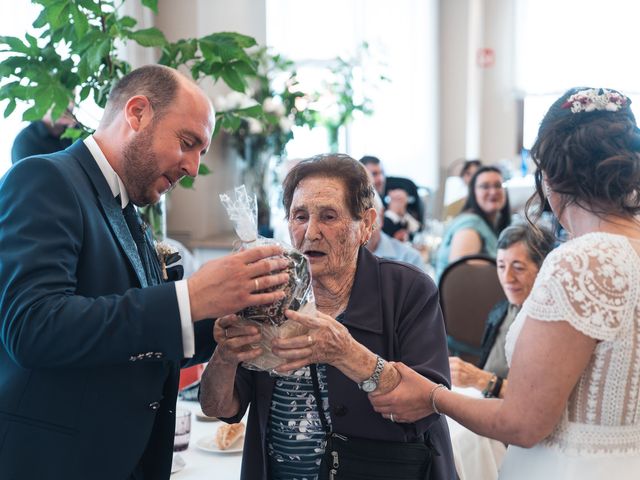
column 369, row 386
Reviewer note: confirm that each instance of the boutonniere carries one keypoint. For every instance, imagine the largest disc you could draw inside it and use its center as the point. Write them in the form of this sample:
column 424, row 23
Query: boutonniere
column 167, row 256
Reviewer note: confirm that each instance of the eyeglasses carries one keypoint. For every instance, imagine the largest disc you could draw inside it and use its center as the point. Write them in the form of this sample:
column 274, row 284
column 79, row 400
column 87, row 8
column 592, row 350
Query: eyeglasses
column 489, row 186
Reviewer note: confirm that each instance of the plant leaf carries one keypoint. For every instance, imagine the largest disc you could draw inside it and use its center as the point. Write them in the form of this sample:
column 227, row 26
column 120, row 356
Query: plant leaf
column 75, row 133
column 233, row 38
column 84, row 93
column 216, row 129
column 15, row 44
column 149, row 37
column 58, row 13
column 187, row 182
column 11, row 106
column 41, row 21
column 203, row 169
column 128, row 22
column 232, row 78
column 255, row 111
column 97, row 54
column 80, row 22
column 152, row 4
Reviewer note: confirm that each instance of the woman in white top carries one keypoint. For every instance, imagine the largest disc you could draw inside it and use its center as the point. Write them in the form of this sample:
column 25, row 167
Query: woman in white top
column 572, row 409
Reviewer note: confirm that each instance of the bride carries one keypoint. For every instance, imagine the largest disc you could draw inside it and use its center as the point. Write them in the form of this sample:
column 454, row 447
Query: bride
column 572, row 409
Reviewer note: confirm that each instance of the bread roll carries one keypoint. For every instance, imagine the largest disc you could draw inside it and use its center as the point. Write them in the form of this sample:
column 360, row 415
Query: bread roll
column 227, row 434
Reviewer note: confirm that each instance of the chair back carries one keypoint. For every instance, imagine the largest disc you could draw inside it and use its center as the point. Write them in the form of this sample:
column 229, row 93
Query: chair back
column 469, row 288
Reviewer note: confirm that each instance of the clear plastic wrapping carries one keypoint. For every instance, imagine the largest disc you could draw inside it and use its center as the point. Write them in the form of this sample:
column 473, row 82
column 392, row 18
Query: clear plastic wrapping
column 242, row 210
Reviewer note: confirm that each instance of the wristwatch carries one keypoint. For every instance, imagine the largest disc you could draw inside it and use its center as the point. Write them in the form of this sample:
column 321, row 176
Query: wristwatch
column 371, row 383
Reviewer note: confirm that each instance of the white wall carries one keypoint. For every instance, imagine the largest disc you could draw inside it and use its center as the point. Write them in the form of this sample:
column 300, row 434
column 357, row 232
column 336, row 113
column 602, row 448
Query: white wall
column 499, row 127
column 478, row 110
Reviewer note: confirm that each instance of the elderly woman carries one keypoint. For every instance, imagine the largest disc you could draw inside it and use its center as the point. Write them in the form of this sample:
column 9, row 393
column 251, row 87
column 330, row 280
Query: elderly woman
column 371, row 311
column 485, row 214
column 521, row 251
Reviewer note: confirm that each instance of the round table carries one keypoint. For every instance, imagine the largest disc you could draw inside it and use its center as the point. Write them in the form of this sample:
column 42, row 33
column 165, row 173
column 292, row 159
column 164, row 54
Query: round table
column 200, row 464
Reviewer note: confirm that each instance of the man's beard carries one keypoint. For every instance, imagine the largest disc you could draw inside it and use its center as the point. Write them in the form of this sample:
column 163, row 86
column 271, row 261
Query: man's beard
column 140, row 168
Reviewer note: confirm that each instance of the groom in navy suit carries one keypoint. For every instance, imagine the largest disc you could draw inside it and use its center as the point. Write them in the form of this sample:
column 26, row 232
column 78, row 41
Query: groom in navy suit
column 91, row 338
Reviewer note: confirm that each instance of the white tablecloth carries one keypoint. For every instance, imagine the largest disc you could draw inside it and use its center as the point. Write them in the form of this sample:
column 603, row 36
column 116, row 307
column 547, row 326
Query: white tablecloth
column 202, row 465
column 476, row 457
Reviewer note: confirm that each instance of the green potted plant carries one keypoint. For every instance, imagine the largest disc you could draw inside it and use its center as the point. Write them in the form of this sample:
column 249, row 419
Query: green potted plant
column 74, row 56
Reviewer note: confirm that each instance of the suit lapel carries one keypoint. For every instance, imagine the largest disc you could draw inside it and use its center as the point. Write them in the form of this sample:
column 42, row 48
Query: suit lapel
column 112, row 211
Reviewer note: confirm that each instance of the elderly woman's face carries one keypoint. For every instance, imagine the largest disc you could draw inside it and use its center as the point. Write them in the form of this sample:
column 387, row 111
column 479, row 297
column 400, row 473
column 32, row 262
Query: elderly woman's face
column 516, row 272
column 321, row 226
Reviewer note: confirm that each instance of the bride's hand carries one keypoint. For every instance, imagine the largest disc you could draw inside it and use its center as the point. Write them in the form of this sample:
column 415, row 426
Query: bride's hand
column 409, row 401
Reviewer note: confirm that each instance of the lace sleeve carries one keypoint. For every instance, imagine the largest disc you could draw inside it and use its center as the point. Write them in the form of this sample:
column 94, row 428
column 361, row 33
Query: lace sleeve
column 590, row 282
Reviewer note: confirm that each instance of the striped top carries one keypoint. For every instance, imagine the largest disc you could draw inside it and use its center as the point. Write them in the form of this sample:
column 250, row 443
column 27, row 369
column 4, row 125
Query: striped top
column 295, row 437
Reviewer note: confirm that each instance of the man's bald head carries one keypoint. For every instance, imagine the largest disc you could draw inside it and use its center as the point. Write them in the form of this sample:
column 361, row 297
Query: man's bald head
column 158, row 83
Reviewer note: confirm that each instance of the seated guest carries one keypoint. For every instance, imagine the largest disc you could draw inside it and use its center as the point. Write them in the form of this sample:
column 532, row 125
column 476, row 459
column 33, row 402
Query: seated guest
column 469, row 168
column 374, row 167
column 370, row 310
column 384, row 246
column 521, row 251
column 398, row 222
column 405, row 210
column 485, row 214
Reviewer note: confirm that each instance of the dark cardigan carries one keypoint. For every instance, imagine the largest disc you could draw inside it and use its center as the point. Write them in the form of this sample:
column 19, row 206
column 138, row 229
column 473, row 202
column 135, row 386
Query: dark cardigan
column 393, row 310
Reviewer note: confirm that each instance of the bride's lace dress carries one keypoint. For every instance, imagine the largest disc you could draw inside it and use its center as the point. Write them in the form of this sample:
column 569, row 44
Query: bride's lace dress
column 592, row 282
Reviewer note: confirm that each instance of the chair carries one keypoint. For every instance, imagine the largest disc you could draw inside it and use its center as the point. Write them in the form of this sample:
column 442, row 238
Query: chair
column 414, row 206
column 469, row 288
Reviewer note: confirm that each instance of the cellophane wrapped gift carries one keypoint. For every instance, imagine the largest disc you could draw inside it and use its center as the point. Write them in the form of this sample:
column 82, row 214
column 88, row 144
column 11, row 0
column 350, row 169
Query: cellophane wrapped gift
column 242, row 210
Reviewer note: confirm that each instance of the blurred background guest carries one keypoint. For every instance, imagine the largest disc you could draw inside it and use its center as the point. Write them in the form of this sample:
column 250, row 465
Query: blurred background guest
column 42, row 136
column 374, row 166
column 398, row 222
column 521, row 251
column 404, row 208
column 475, row 231
column 457, row 188
column 385, row 246
column 469, row 169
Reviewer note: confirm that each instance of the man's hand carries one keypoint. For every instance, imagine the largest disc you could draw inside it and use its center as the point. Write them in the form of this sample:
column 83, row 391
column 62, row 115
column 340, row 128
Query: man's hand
column 229, row 284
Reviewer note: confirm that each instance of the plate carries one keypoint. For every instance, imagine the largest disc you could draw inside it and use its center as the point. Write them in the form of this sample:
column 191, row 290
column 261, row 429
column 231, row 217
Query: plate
column 208, row 444
column 204, row 418
column 177, row 463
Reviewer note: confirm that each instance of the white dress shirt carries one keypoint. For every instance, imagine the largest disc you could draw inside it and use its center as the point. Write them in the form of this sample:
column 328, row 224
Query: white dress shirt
column 182, row 289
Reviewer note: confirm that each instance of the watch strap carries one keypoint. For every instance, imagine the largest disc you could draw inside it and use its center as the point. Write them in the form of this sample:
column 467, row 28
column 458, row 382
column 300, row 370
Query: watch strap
column 375, row 376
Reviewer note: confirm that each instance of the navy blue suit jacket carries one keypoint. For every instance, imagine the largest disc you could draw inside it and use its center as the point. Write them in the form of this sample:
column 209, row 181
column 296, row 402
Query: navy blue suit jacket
column 89, row 360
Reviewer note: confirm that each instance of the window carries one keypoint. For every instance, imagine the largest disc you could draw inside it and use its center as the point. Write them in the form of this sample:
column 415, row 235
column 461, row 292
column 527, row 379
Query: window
column 574, row 43
column 403, row 131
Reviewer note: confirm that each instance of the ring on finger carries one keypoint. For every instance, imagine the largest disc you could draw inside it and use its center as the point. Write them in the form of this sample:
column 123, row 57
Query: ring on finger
column 226, row 333
column 391, row 417
column 257, row 284
column 309, row 339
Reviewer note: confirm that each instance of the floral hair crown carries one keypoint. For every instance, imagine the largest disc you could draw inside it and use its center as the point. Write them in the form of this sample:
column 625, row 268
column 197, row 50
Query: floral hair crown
column 596, row 99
